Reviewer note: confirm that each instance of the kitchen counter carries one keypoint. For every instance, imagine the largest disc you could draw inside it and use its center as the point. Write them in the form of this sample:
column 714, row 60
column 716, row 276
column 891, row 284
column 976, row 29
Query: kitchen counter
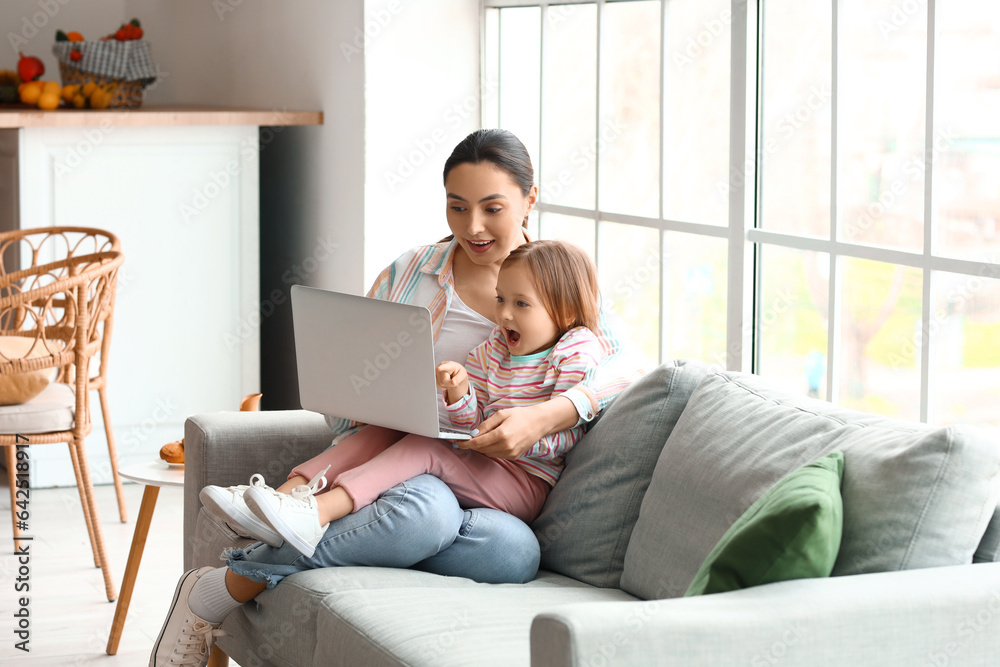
column 152, row 115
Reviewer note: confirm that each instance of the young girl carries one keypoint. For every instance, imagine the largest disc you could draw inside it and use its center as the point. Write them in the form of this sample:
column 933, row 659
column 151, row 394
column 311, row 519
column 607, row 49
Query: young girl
column 547, row 307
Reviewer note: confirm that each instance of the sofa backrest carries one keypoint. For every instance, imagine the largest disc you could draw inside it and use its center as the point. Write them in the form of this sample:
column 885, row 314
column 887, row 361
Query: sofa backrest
column 913, row 496
column 585, row 526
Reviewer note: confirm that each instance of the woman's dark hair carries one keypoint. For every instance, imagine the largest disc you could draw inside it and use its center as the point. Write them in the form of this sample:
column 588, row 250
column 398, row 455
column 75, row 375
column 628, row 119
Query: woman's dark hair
column 501, row 149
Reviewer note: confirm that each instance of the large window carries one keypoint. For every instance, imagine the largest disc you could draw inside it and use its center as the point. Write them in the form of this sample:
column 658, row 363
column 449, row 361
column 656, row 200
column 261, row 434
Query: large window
column 805, row 189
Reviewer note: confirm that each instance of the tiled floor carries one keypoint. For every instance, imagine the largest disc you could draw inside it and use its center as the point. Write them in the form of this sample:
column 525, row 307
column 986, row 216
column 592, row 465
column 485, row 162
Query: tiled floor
column 69, row 613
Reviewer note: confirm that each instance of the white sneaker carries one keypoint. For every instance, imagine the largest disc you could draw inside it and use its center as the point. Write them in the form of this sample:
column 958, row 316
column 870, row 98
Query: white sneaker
column 227, row 505
column 185, row 639
column 295, row 516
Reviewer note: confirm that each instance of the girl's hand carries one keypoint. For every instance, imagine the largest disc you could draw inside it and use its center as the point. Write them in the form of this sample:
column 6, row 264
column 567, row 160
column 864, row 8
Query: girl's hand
column 509, row 433
column 453, row 379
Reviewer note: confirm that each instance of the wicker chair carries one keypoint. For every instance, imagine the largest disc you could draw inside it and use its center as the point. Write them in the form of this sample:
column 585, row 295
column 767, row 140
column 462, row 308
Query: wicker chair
column 50, row 244
column 64, row 308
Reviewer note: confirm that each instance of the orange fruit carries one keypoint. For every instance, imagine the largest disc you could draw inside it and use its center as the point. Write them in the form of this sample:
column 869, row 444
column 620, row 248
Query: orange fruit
column 51, row 87
column 79, row 101
column 70, row 91
column 74, row 36
column 48, row 101
column 100, row 99
column 30, row 94
column 88, row 88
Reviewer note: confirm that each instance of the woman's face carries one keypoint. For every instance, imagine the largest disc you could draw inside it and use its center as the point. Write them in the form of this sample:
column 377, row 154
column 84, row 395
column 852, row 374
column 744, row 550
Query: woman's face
column 486, row 210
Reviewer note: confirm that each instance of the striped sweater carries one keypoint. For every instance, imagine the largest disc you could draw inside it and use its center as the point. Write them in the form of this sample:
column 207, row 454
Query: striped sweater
column 423, row 276
column 499, row 380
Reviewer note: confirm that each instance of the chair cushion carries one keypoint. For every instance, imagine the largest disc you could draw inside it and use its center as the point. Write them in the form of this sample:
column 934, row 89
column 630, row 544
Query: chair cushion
column 791, row 532
column 585, row 525
column 914, row 496
column 21, row 387
column 52, row 410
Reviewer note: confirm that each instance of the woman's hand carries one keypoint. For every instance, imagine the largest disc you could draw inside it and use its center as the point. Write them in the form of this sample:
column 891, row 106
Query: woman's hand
column 508, row 434
column 453, row 379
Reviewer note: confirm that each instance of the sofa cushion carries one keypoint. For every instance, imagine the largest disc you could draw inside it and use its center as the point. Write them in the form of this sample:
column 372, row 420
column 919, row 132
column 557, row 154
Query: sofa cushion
column 913, row 496
column 989, row 548
column 352, row 616
column 585, row 526
column 791, row 532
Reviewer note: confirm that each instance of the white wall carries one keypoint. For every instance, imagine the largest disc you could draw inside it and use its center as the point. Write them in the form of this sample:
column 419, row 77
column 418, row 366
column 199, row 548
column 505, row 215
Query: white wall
column 30, row 26
column 422, row 98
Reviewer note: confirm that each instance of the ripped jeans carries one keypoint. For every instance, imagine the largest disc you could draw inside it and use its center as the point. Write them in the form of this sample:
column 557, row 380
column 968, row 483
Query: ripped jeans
column 415, row 524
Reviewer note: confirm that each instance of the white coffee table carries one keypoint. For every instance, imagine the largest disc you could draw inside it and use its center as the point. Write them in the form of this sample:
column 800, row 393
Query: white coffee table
column 153, row 474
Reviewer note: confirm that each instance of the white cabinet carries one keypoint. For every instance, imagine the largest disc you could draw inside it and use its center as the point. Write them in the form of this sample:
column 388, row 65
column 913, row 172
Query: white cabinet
column 184, row 201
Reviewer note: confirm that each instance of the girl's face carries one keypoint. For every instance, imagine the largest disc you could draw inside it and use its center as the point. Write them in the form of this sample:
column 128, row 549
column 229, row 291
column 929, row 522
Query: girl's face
column 520, row 312
column 486, row 210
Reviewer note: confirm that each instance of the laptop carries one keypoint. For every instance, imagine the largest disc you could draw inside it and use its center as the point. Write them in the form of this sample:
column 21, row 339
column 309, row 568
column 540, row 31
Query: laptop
column 368, row 360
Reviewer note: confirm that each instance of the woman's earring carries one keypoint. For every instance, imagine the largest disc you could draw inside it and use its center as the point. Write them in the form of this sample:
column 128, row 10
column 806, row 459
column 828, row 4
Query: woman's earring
column 525, row 223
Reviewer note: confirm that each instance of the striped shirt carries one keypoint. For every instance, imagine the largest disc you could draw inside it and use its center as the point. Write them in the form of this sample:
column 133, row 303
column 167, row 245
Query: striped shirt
column 499, row 380
column 423, row 276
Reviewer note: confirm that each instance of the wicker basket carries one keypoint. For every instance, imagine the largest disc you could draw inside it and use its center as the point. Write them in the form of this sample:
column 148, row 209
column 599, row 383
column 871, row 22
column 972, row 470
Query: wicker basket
column 127, row 94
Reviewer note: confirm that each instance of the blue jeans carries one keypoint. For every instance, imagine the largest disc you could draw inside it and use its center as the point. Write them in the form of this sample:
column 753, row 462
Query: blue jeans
column 415, row 524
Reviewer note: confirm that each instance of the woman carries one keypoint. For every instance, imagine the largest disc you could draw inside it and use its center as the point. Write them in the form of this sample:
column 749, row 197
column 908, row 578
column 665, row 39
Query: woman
column 490, row 191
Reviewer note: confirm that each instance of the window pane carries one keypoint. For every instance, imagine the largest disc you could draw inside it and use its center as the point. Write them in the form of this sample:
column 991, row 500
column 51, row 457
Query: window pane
column 965, row 349
column 796, row 135
column 629, row 134
column 628, row 285
column 570, row 111
column 793, row 317
column 881, row 123
column 694, row 299
column 879, row 360
column 569, row 228
column 491, row 67
column 696, row 111
column 967, row 138
column 520, row 66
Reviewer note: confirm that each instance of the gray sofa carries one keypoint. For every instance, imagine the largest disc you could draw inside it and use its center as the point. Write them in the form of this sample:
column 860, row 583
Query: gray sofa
column 658, row 479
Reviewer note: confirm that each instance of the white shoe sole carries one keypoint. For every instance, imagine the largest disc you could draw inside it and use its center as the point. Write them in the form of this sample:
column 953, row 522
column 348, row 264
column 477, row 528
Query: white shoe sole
column 222, row 509
column 272, row 518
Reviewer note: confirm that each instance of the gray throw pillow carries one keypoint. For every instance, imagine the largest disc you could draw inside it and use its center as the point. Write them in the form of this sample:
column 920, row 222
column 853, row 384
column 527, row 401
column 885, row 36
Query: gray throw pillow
column 913, row 496
column 587, row 520
column 989, row 548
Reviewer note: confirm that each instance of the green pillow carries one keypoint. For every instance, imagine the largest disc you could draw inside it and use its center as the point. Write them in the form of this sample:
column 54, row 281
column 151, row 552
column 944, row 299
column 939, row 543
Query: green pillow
column 792, row 532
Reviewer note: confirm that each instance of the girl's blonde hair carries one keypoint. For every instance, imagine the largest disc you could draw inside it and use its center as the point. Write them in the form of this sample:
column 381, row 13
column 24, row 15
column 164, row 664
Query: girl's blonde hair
column 566, row 281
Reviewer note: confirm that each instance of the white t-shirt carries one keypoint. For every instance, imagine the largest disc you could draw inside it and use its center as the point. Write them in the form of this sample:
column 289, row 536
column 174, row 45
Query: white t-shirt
column 461, row 331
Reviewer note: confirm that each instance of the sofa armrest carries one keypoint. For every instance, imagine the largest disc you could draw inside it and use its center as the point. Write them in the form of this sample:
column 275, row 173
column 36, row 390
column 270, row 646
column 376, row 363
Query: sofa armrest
column 935, row 616
column 226, row 448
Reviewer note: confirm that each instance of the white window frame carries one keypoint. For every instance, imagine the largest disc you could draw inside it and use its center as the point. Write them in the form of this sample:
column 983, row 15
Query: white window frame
column 745, row 239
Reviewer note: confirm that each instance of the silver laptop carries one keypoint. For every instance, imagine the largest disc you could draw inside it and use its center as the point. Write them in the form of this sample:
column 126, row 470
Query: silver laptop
column 367, row 360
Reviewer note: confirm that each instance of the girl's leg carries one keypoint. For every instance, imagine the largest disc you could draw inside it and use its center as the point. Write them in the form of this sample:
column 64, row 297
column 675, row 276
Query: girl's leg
column 349, row 453
column 476, row 480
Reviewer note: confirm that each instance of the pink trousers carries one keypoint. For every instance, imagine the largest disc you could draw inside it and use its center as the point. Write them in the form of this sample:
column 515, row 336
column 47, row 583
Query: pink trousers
column 375, row 459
